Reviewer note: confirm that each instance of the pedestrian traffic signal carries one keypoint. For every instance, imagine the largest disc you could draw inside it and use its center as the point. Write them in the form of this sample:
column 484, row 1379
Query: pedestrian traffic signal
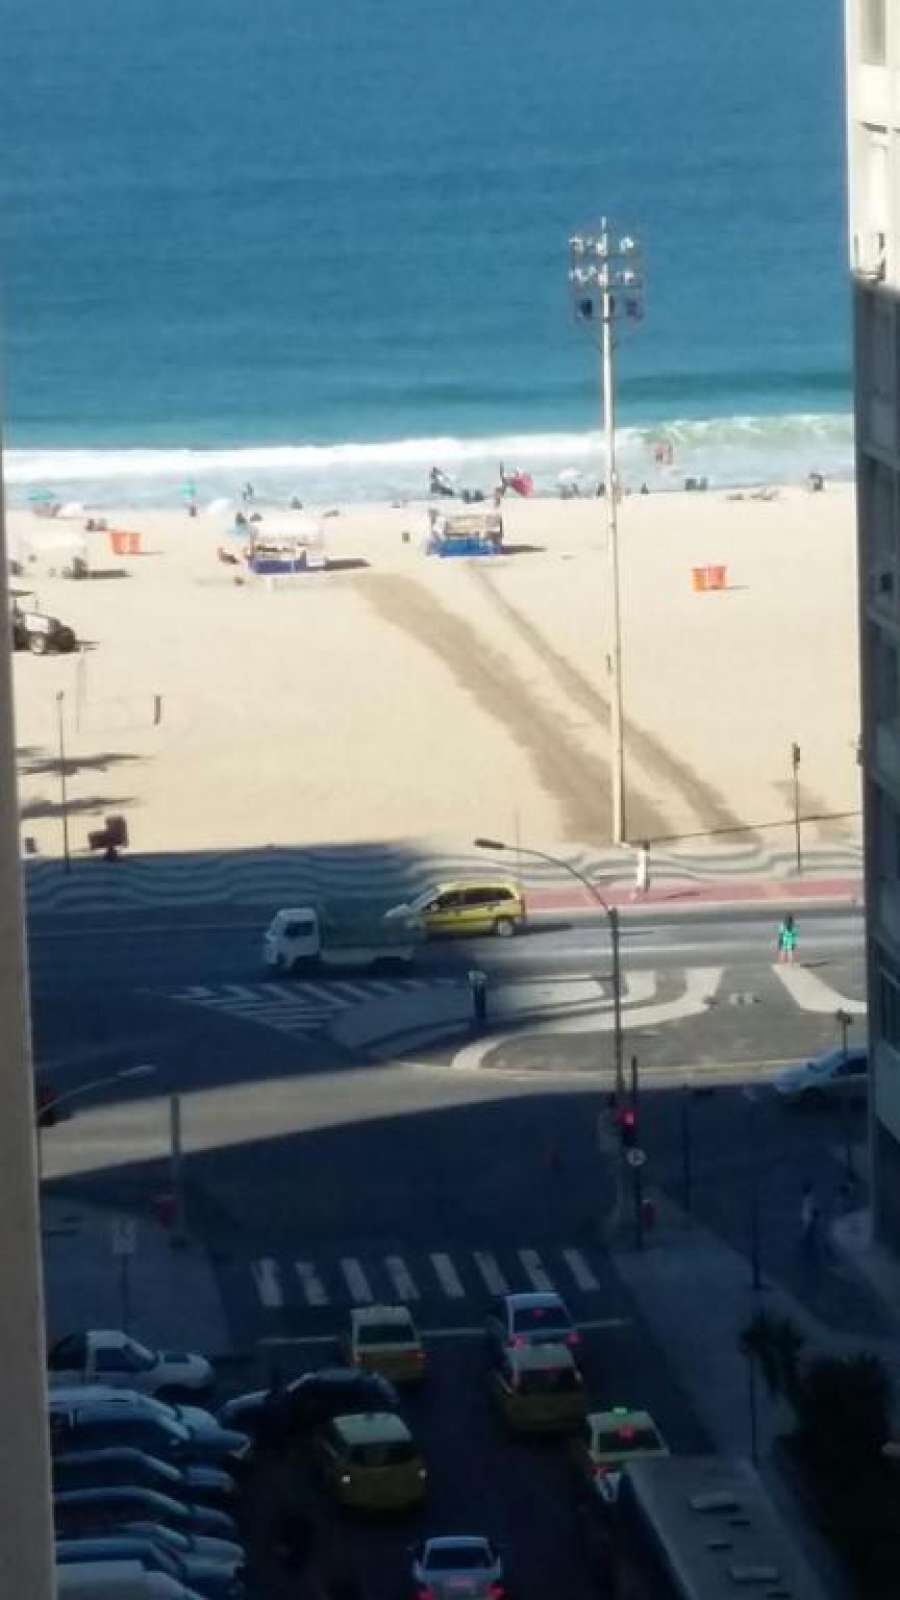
column 628, row 1127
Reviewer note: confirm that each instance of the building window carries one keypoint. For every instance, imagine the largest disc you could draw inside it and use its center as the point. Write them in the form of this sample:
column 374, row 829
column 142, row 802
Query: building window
column 873, row 32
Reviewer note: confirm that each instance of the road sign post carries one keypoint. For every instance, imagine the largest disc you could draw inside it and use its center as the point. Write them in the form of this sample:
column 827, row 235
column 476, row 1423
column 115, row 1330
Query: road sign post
column 637, row 1166
column 123, row 1241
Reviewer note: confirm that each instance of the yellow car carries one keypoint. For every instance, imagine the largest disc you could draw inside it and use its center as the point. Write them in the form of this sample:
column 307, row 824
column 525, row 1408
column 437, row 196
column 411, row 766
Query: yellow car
column 371, row 1462
column 385, row 1339
column 607, row 1441
column 538, row 1388
column 469, row 906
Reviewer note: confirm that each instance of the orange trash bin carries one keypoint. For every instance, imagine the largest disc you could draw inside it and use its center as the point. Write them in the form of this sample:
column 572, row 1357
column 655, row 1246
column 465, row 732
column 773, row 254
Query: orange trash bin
column 118, row 541
column 718, row 578
column 134, row 544
column 699, row 578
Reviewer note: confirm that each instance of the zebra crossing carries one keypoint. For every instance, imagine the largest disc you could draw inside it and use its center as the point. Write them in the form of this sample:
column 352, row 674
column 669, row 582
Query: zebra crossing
column 424, row 1278
column 299, row 1009
column 573, row 1002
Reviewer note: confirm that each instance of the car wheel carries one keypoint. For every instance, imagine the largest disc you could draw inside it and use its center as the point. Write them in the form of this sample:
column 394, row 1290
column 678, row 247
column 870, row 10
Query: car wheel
column 504, row 928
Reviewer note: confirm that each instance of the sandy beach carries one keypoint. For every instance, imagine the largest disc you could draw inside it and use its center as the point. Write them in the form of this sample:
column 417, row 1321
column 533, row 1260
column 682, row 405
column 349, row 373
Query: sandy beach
column 399, row 696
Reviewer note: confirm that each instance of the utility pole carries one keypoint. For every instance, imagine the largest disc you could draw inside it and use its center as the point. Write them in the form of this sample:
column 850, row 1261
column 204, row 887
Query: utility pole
column 63, row 799
column 605, row 276
column 26, row 1527
column 795, row 765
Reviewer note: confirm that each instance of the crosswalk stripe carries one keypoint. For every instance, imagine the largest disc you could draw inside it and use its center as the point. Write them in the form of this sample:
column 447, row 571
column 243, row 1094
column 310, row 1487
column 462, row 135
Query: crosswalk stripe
column 356, row 1281
column 535, row 1273
column 493, row 1277
column 400, row 1277
column 810, row 992
column 313, row 1287
column 579, row 1269
column 268, row 1282
column 447, row 1276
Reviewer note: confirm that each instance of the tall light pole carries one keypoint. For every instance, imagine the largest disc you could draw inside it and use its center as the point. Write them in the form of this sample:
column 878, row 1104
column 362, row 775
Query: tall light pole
column 63, row 799
column 612, row 917
column 604, row 272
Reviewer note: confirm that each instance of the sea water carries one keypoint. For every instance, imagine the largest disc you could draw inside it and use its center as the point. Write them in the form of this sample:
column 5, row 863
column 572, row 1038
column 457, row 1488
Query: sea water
column 324, row 247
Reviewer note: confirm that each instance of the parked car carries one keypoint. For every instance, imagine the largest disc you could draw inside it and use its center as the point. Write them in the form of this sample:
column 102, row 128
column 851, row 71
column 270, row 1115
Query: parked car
column 458, row 1567
column 86, row 1510
column 835, row 1076
column 224, row 1552
column 516, row 1319
column 276, row 1415
column 117, row 1580
column 100, row 1426
column 92, row 1469
column 210, row 1578
column 206, row 1439
column 110, row 1357
column 34, row 630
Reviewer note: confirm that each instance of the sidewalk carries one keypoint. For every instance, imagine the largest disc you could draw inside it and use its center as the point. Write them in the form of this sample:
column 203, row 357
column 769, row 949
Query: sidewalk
column 165, row 1296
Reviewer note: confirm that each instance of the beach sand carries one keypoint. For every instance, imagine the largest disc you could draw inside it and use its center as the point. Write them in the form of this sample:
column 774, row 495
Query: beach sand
column 407, row 697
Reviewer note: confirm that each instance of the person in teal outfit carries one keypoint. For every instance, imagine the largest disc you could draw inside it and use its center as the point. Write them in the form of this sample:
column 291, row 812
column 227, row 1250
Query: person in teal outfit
column 787, row 938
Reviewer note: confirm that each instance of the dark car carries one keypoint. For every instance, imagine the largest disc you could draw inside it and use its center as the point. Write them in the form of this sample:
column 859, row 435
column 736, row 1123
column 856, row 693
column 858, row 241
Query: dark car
column 88, row 1510
column 211, row 1578
column 92, row 1469
column 118, row 1411
column 277, row 1415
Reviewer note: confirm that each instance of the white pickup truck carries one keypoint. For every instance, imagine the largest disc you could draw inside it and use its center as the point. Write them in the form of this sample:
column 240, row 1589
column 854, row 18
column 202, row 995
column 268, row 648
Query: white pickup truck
column 311, row 936
column 107, row 1356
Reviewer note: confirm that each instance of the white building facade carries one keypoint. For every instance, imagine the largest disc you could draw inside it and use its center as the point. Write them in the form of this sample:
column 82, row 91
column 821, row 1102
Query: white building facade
column 873, row 148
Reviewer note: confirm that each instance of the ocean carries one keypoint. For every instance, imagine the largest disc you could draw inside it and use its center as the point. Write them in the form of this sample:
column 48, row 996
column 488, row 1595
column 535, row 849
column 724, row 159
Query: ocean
column 323, row 247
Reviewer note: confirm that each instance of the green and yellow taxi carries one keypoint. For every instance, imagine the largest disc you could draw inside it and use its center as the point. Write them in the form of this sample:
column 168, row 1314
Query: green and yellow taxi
column 538, row 1388
column 370, row 1462
column 606, row 1442
column 385, row 1339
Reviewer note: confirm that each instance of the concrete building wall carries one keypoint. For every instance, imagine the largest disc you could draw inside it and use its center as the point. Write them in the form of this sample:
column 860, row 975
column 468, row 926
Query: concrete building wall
column 873, row 159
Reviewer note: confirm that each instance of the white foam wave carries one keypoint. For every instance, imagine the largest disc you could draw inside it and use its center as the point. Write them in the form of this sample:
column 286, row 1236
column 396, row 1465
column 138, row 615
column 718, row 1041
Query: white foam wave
column 730, row 451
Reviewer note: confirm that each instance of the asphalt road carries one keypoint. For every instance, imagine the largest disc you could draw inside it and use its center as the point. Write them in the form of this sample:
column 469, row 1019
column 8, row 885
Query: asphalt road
column 306, row 1165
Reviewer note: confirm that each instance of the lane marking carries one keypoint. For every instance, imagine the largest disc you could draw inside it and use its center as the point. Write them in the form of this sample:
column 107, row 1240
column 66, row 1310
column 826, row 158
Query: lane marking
column 356, row 1281
column 580, row 1270
column 400, row 1277
column 267, row 1277
column 812, row 993
column 447, row 1276
column 493, row 1277
column 477, row 1332
column 535, row 1273
column 311, row 1283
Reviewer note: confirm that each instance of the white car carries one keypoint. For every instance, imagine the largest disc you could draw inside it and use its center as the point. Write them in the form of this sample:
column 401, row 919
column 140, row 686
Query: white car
column 458, row 1567
column 110, row 1357
column 837, row 1075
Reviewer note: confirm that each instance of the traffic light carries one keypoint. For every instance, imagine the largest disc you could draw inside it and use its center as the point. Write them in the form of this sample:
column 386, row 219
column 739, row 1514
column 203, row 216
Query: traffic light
column 628, row 1127
column 45, row 1104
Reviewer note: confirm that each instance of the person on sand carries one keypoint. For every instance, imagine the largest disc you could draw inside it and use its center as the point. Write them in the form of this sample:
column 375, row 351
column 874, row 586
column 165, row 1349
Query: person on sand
column 786, row 939
column 641, row 869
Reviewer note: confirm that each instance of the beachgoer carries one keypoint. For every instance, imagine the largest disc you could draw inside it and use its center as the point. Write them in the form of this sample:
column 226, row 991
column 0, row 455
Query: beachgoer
column 787, row 939
column 641, row 869
column 247, row 493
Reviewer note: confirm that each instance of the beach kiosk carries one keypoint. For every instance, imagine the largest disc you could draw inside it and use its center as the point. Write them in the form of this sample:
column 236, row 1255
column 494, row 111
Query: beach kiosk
column 469, row 534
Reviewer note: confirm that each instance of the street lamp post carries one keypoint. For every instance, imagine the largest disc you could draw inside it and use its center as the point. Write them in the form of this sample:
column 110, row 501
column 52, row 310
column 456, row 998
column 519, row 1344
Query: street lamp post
column 63, row 798
column 126, row 1074
column 612, row 917
column 604, row 272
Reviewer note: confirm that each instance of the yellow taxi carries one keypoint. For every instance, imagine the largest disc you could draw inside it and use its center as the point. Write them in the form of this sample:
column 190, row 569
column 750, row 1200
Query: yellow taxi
column 470, row 906
column 385, row 1339
column 538, row 1388
column 607, row 1441
column 371, row 1462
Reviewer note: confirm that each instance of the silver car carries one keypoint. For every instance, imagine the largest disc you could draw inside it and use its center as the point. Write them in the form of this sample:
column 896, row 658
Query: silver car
column 458, row 1567
column 837, row 1075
